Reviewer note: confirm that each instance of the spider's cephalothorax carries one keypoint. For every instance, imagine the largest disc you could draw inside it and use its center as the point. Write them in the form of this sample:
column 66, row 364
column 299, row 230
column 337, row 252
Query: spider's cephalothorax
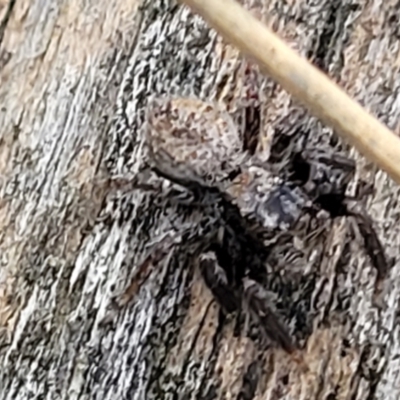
column 245, row 206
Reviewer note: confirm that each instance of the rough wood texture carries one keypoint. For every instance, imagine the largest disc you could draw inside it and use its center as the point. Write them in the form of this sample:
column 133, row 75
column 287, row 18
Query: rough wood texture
column 74, row 83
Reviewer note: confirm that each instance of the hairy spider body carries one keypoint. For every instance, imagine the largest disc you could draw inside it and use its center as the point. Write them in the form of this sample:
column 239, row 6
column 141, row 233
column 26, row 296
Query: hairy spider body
column 245, row 206
column 196, row 145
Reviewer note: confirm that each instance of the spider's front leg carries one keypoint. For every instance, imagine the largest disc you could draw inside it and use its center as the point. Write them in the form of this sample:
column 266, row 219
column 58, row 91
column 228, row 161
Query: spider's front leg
column 216, row 280
column 258, row 303
column 251, row 297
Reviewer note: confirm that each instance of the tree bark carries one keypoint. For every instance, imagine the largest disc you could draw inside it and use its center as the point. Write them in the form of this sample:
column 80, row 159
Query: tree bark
column 75, row 79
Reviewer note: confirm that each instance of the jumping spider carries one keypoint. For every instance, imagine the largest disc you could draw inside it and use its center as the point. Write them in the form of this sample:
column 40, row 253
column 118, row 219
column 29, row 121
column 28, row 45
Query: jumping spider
column 246, row 205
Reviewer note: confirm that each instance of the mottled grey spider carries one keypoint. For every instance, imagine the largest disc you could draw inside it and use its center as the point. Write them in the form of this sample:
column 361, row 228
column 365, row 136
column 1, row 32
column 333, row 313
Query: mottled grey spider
column 247, row 205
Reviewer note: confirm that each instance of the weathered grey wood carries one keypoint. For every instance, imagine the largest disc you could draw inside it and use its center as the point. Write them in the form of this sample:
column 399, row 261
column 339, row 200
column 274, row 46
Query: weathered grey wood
column 72, row 96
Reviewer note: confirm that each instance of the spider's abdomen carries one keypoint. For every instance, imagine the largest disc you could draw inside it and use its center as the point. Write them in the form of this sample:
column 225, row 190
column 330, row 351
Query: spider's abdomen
column 195, row 133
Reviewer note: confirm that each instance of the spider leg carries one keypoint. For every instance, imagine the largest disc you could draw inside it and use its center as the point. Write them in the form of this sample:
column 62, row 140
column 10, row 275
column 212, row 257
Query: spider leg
column 342, row 170
column 257, row 300
column 141, row 181
column 217, row 281
column 165, row 166
column 330, row 172
column 372, row 243
column 129, row 183
column 203, row 193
